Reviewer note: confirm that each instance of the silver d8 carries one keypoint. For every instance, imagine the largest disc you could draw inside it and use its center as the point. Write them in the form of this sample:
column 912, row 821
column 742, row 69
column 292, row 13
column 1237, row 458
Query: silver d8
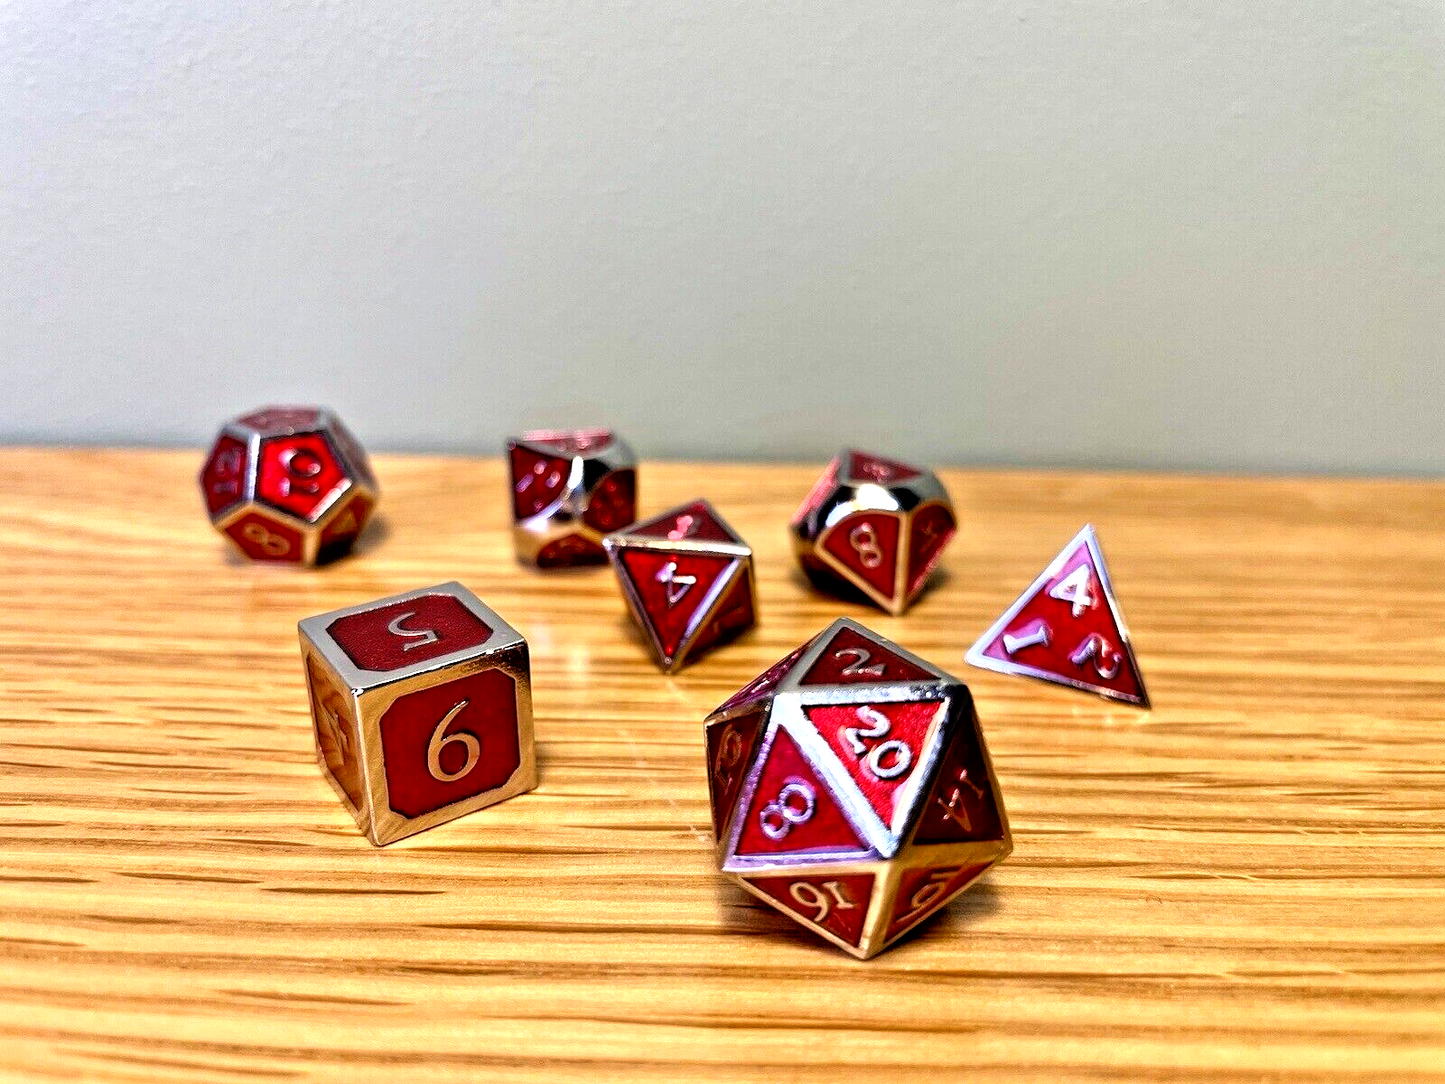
column 569, row 488
column 422, row 705
column 874, row 527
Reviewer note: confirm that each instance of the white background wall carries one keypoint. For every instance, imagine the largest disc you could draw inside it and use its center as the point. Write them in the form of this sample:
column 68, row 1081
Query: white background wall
column 1197, row 234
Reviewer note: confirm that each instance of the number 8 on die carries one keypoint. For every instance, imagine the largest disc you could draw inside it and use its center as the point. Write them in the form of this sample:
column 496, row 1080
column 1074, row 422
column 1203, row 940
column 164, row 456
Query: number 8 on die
column 422, row 708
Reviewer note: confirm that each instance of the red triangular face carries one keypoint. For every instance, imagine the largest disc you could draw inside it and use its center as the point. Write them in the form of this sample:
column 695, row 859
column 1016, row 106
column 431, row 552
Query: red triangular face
column 921, row 892
column 880, row 745
column 866, row 543
column 928, row 532
column 1067, row 628
column 853, row 659
column 837, row 903
column 571, row 441
column 764, row 684
column 729, row 745
column 672, row 589
column 694, row 522
column 874, row 468
column 732, row 615
column 961, row 806
column 613, row 503
column 792, row 812
column 537, row 481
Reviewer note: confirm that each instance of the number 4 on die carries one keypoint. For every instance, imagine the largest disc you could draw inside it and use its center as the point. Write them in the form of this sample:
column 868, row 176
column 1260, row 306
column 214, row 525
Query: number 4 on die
column 1067, row 628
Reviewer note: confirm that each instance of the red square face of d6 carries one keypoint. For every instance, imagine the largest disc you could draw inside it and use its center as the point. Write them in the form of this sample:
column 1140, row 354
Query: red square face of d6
column 405, row 633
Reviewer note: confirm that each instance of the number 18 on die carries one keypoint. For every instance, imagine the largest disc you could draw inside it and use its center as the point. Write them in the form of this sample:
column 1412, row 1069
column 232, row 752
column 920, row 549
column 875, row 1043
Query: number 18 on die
column 422, row 708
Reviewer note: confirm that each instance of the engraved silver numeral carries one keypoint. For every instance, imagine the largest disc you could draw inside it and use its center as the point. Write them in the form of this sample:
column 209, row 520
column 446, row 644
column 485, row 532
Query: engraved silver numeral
column 864, row 540
column 729, row 752
column 810, row 896
column 953, row 805
column 887, row 760
column 1041, row 634
column 856, row 667
column 685, row 527
column 418, row 637
column 439, row 741
column 541, row 468
column 272, row 545
column 302, row 467
column 1074, row 589
column 1095, row 648
column 928, row 893
column 676, row 586
column 781, row 815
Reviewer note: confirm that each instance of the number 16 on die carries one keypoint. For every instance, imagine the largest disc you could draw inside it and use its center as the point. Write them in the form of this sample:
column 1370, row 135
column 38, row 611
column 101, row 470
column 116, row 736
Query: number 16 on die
column 422, row 708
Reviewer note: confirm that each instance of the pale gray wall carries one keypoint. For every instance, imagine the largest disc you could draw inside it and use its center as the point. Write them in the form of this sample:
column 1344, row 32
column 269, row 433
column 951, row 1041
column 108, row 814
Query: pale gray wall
column 1198, row 234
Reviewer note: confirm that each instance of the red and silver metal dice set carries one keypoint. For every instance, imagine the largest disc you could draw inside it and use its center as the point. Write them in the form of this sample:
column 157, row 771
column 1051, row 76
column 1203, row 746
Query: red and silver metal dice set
column 851, row 787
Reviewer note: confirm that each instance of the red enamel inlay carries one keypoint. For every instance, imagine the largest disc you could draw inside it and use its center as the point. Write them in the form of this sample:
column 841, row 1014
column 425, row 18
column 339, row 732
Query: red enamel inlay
column 688, row 521
column 298, row 474
column 867, row 545
column 223, row 478
column 767, row 681
column 571, row 441
column 569, row 550
column 265, row 539
column 343, row 527
column 419, row 758
column 336, row 736
column 351, row 451
column 1067, row 629
column 825, row 485
column 729, row 746
column 880, row 745
column 405, row 633
column 960, row 806
column 733, row 615
column 874, row 468
column 852, row 659
column 537, row 481
column 613, row 504
column 281, row 419
column 836, row 902
column 792, row 812
column 923, row 891
column 929, row 531
column 672, row 587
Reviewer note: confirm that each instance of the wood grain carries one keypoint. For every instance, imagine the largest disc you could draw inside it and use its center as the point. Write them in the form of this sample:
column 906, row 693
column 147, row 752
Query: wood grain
column 1243, row 885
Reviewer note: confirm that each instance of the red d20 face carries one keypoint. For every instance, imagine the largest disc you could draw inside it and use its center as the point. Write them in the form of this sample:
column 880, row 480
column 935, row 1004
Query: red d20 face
column 409, row 632
column 960, row 806
column 851, row 659
column 538, row 481
column 767, row 681
column 672, row 588
column 837, row 903
column 298, row 474
column 223, row 479
column 1067, row 628
column 264, row 539
column 923, row 891
column 613, row 504
column 867, row 544
column 450, row 742
column 928, row 532
column 874, row 468
column 729, row 745
column 336, row 736
column 792, row 812
column 880, row 745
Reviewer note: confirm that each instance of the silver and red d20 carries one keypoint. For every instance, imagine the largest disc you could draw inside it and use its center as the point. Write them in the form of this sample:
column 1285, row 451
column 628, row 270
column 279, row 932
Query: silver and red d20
column 875, row 527
column 851, row 789
column 288, row 483
column 688, row 580
column 422, row 708
column 570, row 487
column 1067, row 628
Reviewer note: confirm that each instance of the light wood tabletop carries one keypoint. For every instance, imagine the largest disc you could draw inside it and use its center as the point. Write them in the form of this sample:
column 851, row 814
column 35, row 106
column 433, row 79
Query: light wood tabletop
column 1246, row 883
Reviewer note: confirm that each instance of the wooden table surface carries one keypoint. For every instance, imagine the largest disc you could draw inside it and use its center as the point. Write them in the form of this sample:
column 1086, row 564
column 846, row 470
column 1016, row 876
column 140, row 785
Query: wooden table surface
column 1247, row 883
